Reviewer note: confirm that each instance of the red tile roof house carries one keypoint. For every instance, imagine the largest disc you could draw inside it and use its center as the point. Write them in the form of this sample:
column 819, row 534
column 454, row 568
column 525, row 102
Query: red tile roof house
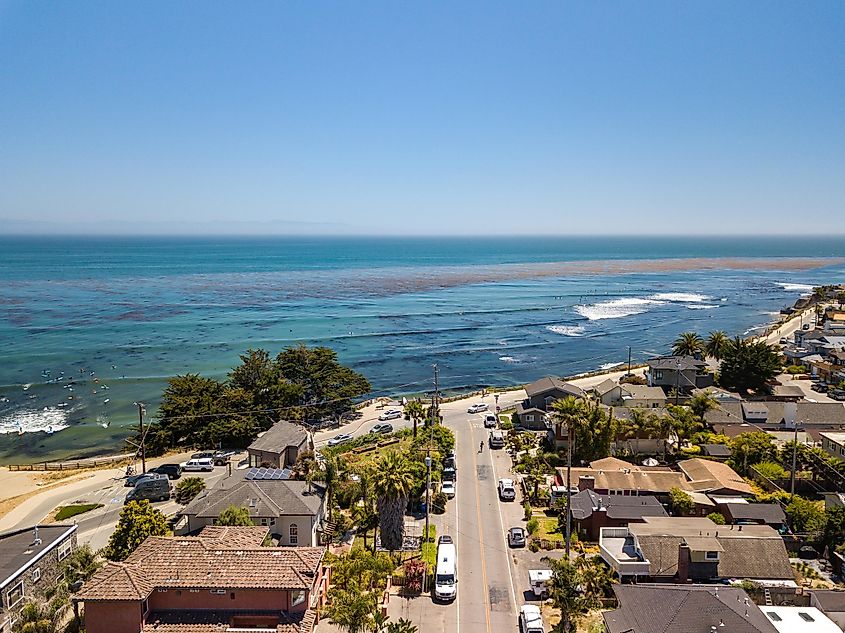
column 221, row 580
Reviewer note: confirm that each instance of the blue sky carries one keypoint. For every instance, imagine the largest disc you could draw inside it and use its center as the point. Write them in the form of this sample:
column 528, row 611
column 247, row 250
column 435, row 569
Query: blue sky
column 466, row 118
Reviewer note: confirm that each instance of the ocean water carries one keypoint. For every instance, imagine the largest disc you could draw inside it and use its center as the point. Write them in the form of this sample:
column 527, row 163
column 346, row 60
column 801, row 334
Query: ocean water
column 90, row 326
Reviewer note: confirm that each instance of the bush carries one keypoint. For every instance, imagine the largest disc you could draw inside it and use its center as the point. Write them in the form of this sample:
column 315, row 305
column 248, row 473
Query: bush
column 682, row 503
column 438, row 502
column 188, row 489
column 796, row 369
column 506, row 425
column 532, row 526
column 533, row 545
column 527, row 511
column 717, row 518
column 770, row 470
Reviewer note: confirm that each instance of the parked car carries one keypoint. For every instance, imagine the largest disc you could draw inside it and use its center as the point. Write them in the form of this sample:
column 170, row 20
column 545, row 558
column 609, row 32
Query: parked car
column 205, row 464
column 783, row 341
column 819, row 386
column 539, row 580
column 203, row 455
column 448, row 488
column 808, row 552
column 477, row 408
column 806, row 326
column 530, row 620
column 516, row 537
column 448, row 474
column 450, row 462
column 837, row 394
column 507, row 491
column 390, row 414
column 490, row 421
column 154, row 488
column 343, row 438
column 497, row 439
column 173, row 471
column 221, row 458
column 131, row 480
column 382, row 429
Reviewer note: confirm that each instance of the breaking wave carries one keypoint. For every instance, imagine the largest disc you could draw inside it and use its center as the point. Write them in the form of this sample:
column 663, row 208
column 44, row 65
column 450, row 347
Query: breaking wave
column 49, row 420
column 629, row 306
column 789, row 287
column 566, row 330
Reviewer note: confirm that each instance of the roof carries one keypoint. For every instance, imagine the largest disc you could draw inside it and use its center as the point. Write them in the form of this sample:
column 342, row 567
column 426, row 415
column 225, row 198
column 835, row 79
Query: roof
column 262, row 497
column 800, row 620
column 788, row 391
column 550, row 383
column 706, row 475
column 829, row 600
column 692, row 609
column 674, row 362
column 716, row 450
column 769, row 513
column 219, row 558
column 748, row 551
column 619, row 507
column 19, row 550
column 605, row 386
column 624, row 413
column 837, row 438
column 279, row 436
column 642, row 392
column 632, row 478
column 218, row 621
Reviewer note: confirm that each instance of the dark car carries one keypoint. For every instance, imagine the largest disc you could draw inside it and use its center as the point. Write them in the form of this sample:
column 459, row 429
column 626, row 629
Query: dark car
column 221, row 458
column 837, row 394
column 819, row 386
column 173, row 471
column 132, row 480
column 808, row 552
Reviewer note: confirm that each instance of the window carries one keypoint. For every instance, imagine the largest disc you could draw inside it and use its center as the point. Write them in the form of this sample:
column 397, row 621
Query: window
column 658, row 374
column 193, row 590
column 297, row 597
column 264, row 522
column 806, row 616
column 36, row 574
column 529, row 417
column 294, row 534
column 774, row 617
column 162, row 589
column 15, row 594
column 64, row 549
column 711, row 555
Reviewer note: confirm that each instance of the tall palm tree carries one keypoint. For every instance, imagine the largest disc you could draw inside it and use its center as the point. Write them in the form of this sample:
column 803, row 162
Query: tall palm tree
column 665, row 428
column 701, row 403
column 414, row 411
column 568, row 413
column 401, row 626
column 688, row 344
column 716, row 344
column 330, row 476
column 392, row 483
column 637, row 425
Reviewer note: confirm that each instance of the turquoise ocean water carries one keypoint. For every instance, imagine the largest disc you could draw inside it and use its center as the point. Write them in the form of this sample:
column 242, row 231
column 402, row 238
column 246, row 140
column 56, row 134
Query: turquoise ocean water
column 117, row 316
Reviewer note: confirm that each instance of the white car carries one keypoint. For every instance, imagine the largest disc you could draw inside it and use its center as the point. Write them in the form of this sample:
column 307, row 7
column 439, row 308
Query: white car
column 477, row 408
column 490, row 421
column 530, row 620
column 507, row 491
column 202, row 464
column 448, row 488
column 392, row 414
column 343, row 438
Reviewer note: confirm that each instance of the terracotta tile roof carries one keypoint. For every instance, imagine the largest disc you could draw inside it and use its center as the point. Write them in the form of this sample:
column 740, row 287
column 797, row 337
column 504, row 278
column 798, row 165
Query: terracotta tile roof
column 228, row 558
column 706, row 474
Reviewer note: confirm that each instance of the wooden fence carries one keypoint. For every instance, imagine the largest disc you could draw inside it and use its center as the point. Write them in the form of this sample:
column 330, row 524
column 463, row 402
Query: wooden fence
column 93, row 462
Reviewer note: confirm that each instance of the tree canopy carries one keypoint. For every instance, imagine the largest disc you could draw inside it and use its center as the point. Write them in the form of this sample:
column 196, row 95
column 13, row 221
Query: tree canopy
column 748, row 365
column 234, row 515
column 138, row 521
column 688, row 344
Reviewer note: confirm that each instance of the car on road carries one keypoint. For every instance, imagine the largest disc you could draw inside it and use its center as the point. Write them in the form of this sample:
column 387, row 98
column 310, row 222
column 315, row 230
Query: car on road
column 516, row 537
column 497, row 439
column 450, row 462
column 530, row 620
column 507, row 491
column 490, row 421
column 203, row 455
column 837, row 394
column 477, row 408
column 819, row 386
column 343, row 438
column 221, row 458
column 202, row 464
column 448, row 488
column 390, row 414
column 382, row 429
column 173, row 471
column 448, row 474
column 153, row 488
column 805, row 327
column 783, row 340
column 131, row 480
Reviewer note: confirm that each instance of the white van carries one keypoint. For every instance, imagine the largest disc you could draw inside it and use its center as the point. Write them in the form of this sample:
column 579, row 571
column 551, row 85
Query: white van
column 202, row 464
column 446, row 572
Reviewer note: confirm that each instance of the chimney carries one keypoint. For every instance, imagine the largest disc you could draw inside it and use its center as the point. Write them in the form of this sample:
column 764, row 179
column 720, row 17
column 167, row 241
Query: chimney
column 37, row 540
column 586, row 482
column 684, row 559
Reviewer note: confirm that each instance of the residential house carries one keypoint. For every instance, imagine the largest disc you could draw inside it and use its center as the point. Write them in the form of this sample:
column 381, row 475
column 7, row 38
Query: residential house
column 649, row 608
column 280, row 445
column 531, row 412
column 770, row 514
column 609, row 393
column 611, row 476
column 642, row 441
column 221, row 580
column 732, row 418
column 684, row 549
column 718, row 394
column 683, row 373
column 706, row 475
column 833, row 444
column 592, row 511
column 787, row 393
column 628, row 395
column 831, row 603
column 293, row 511
column 30, row 563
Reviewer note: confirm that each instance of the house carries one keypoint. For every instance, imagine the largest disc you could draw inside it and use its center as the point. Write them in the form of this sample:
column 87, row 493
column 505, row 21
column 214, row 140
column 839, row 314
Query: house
column 629, row 395
column 643, row 441
column 280, row 445
column 611, row 476
column 787, row 393
column 293, row 511
column 831, row 603
column 682, row 372
column 833, row 444
column 716, row 451
column 592, row 511
column 30, row 561
column 767, row 415
column 609, row 393
column 770, row 514
column 689, row 609
column 718, row 394
column 799, row 620
column 707, row 475
column 220, row 580
column 531, row 412
column 684, row 549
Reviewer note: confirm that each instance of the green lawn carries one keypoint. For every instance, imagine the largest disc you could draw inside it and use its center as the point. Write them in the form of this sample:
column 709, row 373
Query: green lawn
column 548, row 528
column 66, row 512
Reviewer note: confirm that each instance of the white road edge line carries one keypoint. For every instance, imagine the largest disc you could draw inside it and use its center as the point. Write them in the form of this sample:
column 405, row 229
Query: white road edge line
column 457, row 533
column 502, row 526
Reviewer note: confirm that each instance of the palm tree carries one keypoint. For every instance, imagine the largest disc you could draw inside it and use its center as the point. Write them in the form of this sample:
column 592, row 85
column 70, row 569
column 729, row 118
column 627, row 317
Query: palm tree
column 636, row 426
column 401, row 626
column 665, row 428
column 701, row 403
column 38, row 617
column 716, row 344
column 365, row 512
column 81, row 565
column 569, row 413
column 392, row 482
column 188, row 489
column 414, row 411
column 688, row 344
column 352, row 608
column 330, row 476
column 684, row 422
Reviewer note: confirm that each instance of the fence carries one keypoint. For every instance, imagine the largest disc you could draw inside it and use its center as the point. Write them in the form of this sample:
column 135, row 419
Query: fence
column 93, row 462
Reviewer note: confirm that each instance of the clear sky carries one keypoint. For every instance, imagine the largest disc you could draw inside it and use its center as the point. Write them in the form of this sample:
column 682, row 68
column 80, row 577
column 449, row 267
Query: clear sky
column 434, row 117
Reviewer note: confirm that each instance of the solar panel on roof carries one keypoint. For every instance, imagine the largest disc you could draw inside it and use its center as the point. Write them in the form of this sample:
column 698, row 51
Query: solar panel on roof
column 265, row 474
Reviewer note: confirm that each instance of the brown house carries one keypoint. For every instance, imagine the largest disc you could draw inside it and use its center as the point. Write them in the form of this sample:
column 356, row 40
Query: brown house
column 531, row 412
column 592, row 511
column 222, row 580
column 279, row 446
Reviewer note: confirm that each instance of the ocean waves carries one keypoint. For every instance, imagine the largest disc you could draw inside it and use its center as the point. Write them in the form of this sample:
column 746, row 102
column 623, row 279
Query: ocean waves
column 630, row 306
column 47, row 420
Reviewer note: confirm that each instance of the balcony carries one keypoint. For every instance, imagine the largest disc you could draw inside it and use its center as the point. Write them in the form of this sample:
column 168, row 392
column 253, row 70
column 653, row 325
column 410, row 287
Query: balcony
column 619, row 551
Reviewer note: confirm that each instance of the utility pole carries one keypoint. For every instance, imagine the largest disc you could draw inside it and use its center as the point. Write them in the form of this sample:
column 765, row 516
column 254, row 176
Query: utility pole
column 569, row 438
column 629, row 360
column 436, row 398
column 677, row 384
column 794, row 459
column 141, row 429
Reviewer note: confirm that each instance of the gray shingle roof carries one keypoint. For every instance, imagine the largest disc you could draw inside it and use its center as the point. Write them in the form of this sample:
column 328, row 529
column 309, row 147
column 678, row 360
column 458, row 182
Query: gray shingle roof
column 618, row 506
column 279, row 436
column 691, row 609
column 770, row 513
column 672, row 362
column 551, row 383
column 263, row 498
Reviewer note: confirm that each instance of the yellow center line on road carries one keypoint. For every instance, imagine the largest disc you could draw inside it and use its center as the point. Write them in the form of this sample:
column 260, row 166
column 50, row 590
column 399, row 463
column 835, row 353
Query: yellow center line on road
column 481, row 539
